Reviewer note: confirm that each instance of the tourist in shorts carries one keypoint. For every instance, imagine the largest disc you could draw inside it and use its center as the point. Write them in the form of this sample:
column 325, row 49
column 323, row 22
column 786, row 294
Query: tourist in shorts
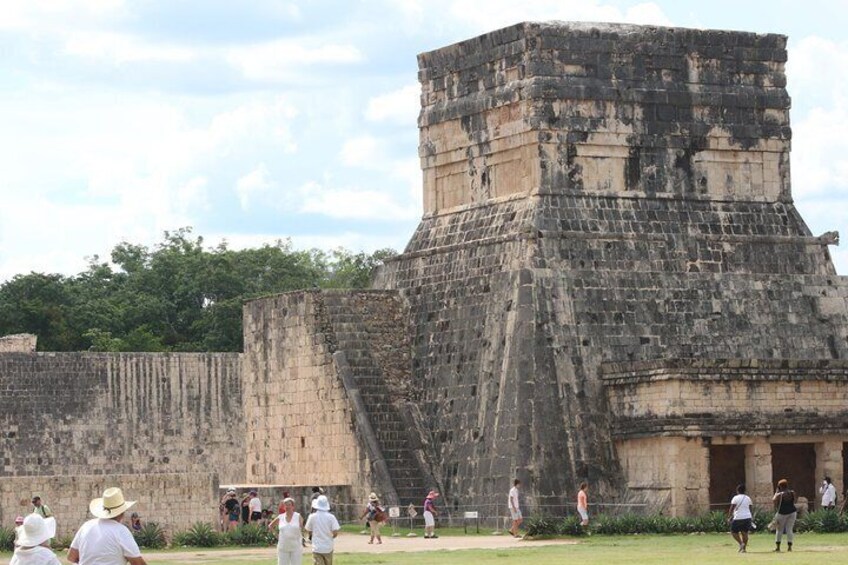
column 430, row 514
column 514, row 508
column 255, row 506
column 32, row 546
column 373, row 515
column 583, row 504
column 231, row 507
column 324, row 528
column 741, row 517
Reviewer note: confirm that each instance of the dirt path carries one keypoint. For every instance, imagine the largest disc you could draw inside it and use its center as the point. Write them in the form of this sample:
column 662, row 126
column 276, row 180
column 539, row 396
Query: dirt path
column 352, row 543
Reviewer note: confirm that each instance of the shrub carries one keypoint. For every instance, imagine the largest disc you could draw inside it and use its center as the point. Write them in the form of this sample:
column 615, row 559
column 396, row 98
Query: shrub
column 570, row 526
column 7, row 539
column 62, row 542
column 150, row 536
column 822, row 521
column 250, row 534
column 200, row 534
column 542, row 525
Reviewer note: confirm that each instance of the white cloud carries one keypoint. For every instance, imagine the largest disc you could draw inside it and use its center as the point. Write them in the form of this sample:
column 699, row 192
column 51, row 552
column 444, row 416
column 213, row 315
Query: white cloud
column 364, row 152
column 253, row 184
column 398, row 106
column 121, row 48
column 46, row 15
column 283, row 59
column 351, row 203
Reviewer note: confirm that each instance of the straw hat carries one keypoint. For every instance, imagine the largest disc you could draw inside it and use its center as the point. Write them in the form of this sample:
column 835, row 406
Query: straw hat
column 321, row 503
column 111, row 505
column 36, row 530
column 373, row 497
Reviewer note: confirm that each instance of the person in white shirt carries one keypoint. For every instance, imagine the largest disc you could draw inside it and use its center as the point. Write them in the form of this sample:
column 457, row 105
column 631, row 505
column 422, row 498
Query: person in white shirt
column 828, row 492
column 741, row 516
column 324, row 528
column 289, row 546
column 255, row 506
column 105, row 540
column 514, row 508
column 32, row 547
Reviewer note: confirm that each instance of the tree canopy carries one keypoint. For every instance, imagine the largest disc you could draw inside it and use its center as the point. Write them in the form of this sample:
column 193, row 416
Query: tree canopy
column 177, row 296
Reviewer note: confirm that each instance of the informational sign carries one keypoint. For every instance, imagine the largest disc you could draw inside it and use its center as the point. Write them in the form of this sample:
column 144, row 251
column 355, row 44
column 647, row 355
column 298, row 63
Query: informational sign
column 394, row 512
column 411, row 511
column 471, row 515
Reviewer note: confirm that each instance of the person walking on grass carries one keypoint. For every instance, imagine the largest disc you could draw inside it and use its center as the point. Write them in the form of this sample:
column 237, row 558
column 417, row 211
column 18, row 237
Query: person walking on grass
column 514, row 508
column 741, row 517
column 324, row 528
column 784, row 500
column 289, row 541
column 374, row 515
column 828, row 492
column 430, row 514
column 583, row 504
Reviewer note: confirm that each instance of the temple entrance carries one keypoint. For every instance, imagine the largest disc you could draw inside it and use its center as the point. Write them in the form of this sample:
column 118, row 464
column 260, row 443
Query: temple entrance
column 797, row 463
column 727, row 469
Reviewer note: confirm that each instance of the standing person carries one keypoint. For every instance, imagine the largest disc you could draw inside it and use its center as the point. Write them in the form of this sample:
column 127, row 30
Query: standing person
column 289, row 540
column 32, row 546
column 373, row 514
column 741, row 516
column 135, row 522
column 784, row 500
column 231, row 506
column 514, row 508
column 828, row 492
column 255, row 505
column 316, row 492
column 324, row 528
column 583, row 503
column 40, row 508
column 245, row 508
column 104, row 540
column 430, row 514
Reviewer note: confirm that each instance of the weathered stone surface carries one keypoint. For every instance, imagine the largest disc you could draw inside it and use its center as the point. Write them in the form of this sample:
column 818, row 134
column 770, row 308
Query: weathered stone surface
column 594, row 194
column 19, row 343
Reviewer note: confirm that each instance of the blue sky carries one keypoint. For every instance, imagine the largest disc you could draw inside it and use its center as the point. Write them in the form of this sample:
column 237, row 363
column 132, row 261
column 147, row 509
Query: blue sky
column 258, row 120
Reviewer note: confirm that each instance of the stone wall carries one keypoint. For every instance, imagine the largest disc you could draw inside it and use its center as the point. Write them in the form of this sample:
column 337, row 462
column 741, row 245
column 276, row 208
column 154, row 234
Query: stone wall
column 598, row 193
column 79, row 414
column 175, row 501
column 18, row 343
column 725, row 397
column 300, row 420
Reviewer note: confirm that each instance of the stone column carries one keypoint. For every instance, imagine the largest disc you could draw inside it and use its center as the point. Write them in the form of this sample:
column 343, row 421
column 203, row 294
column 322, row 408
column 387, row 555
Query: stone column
column 829, row 462
column 758, row 472
column 689, row 477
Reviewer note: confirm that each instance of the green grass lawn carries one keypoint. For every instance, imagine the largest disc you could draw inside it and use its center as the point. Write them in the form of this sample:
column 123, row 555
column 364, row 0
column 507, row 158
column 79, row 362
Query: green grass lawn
column 706, row 549
column 605, row 550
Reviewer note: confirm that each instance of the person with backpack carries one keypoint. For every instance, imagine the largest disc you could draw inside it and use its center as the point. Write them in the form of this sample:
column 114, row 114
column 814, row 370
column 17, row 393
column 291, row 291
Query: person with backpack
column 374, row 515
column 741, row 517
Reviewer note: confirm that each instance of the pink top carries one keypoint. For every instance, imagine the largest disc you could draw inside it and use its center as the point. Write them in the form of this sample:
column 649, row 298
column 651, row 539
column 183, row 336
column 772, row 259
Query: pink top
column 582, row 500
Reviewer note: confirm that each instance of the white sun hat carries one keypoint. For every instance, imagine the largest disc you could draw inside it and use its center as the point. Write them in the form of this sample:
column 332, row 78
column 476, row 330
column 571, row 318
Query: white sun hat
column 36, row 530
column 111, row 505
column 321, row 503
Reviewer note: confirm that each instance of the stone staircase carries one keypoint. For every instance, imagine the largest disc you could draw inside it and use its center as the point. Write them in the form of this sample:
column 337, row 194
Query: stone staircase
column 370, row 329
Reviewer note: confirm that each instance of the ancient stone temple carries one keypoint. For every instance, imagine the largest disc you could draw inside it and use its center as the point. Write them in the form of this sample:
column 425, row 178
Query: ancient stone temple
column 610, row 283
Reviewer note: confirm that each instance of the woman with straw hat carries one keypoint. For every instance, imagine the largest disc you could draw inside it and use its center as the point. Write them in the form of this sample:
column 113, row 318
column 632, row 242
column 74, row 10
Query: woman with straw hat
column 33, row 543
column 374, row 516
column 104, row 540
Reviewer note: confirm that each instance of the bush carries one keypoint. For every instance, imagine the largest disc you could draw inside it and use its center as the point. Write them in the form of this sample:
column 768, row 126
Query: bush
column 150, row 536
column 542, row 525
column 200, row 534
column 822, row 522
column 7, row 539
column 62, row 542
column 570, row 526
column 250, row 534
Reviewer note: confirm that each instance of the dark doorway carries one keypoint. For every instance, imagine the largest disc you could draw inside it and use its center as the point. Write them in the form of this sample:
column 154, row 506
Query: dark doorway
column 727, row 469
column 797, row 463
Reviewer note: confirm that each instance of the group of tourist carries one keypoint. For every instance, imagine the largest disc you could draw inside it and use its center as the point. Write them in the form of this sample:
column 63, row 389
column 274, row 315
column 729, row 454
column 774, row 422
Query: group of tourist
column 786, row 512
column 518, row 518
